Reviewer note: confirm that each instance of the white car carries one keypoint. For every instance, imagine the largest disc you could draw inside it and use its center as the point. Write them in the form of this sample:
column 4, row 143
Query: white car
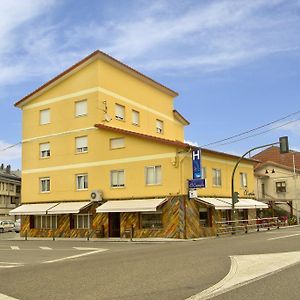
column 6, row 226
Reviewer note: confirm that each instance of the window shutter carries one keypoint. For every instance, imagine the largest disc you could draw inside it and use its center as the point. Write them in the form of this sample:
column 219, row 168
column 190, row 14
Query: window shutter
column 45, row 147
column 117, row 143
column 81, row 142
column 45, row 116
column 135, row 117
column 81, row 108
column 150, row 175
column 158, row 174
column 121, row 178
column 120, row 112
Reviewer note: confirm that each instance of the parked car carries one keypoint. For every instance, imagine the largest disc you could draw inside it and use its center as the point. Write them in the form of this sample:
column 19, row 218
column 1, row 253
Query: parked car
column 6, row 226
column 17, row 227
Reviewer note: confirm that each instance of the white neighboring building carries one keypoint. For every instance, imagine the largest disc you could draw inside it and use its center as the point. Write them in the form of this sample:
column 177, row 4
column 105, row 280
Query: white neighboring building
column 279, row 185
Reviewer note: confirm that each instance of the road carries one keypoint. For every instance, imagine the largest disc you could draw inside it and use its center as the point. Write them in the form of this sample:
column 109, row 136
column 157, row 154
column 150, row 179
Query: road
column 262, row 265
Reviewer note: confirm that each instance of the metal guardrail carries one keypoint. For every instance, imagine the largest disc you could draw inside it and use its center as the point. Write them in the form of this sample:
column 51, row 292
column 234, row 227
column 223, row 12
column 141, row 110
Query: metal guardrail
column 245, row 226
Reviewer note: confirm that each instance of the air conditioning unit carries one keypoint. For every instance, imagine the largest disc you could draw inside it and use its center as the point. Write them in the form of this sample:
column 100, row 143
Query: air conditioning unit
column 96, row 195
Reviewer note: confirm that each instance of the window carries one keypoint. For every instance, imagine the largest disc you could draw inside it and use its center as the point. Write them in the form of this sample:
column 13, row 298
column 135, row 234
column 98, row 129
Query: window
column 153, row 175
column 44, row 150
column 204, row 217
column 82, row 221
column 44, row 116
column 81, row 108
column 120, row 112
column 11, row 187
column 263, row 193
column 18, row 189
column 45, row 222
column 45, row 185
column 117, row 178
column 280, row 187
column 135, row 117
column 117, row 143
column 243, row 178
column 151, row 220
column 81, row 144
column 203, row 172
column 159, row 126
column 81, row 181
column 217, row 177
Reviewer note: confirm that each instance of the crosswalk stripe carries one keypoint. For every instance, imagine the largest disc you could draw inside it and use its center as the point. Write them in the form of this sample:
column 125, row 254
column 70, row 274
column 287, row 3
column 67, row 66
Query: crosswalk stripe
column 15, row 247
column 45, row 248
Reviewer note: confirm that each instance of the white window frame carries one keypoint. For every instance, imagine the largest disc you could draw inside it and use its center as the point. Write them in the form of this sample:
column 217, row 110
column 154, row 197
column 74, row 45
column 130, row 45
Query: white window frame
column 117, row 143
column 45, row 187
column 81, row 108
column 120, row 183
column 45, row 222
column 217, row 177
column 45, row 117
column 159, row 126
column 82, row 185
column 135, row 117
column 80, row 145
column 78, row 222
column 243, row 180
column 120, row 112
column 157, row 175
column 45, row 151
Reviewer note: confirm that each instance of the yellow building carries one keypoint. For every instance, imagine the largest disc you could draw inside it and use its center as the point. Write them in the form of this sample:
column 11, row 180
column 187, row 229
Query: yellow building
column 103, row 151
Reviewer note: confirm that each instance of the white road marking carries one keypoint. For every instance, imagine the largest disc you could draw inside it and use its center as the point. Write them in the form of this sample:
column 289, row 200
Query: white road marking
column 85, row 248
column 5, row 297
column 45, row 248
column 283, row 237
column 15, row 247
column 95, row 250
column 248, row 268
column 6, row 265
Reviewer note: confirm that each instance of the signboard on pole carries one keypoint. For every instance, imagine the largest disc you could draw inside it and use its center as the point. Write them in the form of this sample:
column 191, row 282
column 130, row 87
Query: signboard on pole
column 196, row 159
column 197, row 183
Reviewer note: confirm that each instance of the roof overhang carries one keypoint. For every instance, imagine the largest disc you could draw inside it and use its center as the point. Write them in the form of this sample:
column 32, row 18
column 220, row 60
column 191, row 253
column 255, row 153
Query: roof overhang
column 140, row 205
column 84, row 62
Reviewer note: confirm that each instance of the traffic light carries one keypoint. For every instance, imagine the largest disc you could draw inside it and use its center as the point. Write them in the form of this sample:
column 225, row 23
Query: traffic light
column 284, row 144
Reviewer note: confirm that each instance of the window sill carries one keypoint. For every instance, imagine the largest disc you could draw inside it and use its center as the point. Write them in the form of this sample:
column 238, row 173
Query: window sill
column 80, row 190
column 117, row 187
column 83, row 152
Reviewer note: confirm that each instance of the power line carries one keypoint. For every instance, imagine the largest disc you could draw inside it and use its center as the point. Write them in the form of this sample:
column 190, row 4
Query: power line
column 251, row 130
column 260, row 133
column 11, row 146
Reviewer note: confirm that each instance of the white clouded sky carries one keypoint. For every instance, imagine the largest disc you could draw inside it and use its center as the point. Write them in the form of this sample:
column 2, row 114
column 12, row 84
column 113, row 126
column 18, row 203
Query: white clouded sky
column 234, row 63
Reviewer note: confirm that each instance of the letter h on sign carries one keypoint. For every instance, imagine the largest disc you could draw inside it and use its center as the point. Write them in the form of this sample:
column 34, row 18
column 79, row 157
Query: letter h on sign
column 196, row 155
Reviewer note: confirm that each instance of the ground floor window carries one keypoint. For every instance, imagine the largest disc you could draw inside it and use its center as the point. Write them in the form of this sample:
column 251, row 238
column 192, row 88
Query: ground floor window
column 45, row 222
column 225, row 215
column 205, row 217
column 82, row 221
column 151, row 220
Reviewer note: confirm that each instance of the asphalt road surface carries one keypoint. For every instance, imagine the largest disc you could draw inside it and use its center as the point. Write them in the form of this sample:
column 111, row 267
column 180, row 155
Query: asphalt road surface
column 264, row 265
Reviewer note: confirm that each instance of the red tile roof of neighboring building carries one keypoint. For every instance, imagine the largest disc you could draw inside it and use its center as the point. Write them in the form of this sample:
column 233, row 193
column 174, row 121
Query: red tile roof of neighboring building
column 272, row 154
column 85, row 60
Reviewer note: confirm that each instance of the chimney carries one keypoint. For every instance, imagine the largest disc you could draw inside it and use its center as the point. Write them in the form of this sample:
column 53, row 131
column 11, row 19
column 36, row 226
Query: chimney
column 8, row 169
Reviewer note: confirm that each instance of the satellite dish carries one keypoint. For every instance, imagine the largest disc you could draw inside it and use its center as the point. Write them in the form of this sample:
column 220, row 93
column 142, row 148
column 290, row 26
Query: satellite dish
column 107, row 117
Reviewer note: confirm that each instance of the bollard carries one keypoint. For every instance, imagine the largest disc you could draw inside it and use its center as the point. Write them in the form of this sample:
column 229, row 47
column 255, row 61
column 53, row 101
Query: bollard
column 246, row 228
column 26, row 235
column 131, row 233
column 53, row 235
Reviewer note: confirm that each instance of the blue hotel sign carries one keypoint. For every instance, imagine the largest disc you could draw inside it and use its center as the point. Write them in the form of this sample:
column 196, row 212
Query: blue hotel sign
column 197, row 181
column 196, row 155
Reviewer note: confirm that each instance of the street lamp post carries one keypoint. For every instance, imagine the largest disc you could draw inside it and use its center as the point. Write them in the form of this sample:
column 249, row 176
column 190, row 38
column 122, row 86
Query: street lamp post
column 284, row 148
